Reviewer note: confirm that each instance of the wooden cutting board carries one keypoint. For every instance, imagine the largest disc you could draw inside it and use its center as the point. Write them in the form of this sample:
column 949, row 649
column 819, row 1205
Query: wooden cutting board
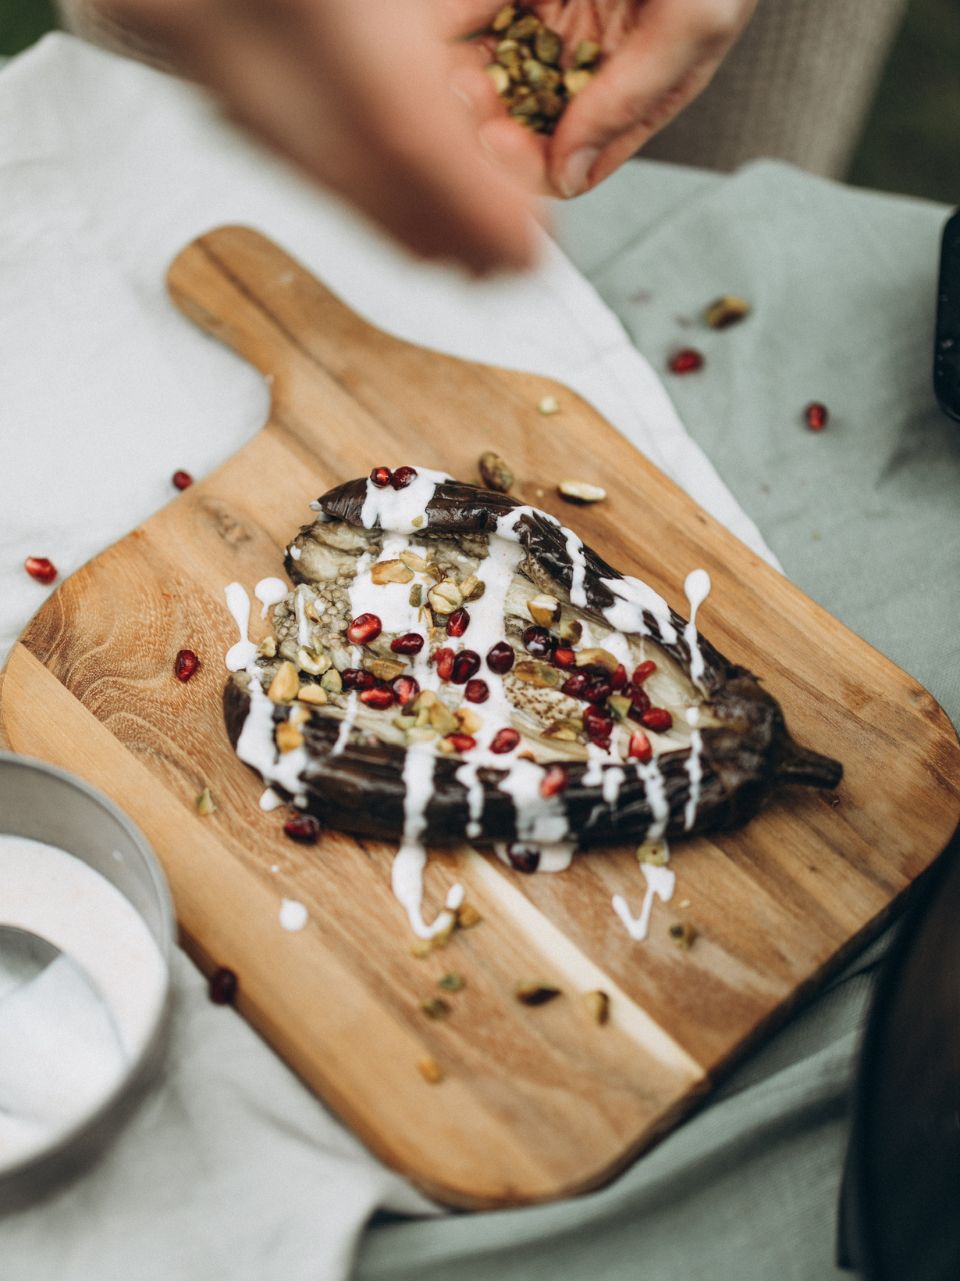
column 536, row 1103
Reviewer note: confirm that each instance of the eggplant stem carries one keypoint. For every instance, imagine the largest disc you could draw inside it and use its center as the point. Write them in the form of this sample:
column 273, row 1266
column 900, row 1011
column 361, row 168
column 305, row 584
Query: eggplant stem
column 799, row 765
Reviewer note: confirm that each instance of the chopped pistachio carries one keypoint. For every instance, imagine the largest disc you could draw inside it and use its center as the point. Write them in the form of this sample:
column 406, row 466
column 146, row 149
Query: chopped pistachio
column 390, row 571
column 417, row 522
column 596, row 656
column 467, row 916
column 683, row 934
column 416, row 596
column 571, row 630
column 435, row 1007
column 387, row 669
column 620, row 705
column 331, row 681
column 445, row 597
column 532, row 672
column 308, row 660
column 268, row 647
column 656, row 853
column 494, row 472
column 544, row 609
column 442, row 719
column 726, row 311
column 421, row 948
column 547, row 45
column 468, row 720
column 413, row 560
column 452, row 982
column 205, row 805
column 586, row 53
column 598, row 1003
column 524, row 27
column 404, row 722
column 504, row 17
column 576, row 79
column 499, row 75
column 548, row 405
column 580, row 492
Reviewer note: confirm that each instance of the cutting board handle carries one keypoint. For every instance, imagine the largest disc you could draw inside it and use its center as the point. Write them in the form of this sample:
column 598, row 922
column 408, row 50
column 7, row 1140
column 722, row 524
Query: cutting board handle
column 239, row 287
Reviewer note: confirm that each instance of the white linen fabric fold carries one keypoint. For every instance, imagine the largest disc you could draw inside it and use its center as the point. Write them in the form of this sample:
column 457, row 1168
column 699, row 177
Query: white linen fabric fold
column 107, row 169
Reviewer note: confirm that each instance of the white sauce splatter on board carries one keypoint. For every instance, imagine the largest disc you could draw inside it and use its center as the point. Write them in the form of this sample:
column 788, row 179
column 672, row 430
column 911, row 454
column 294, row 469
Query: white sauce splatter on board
column 240, row 655
column 697, row 589
column 293, row 915
column 270, row 591
column 661, row 882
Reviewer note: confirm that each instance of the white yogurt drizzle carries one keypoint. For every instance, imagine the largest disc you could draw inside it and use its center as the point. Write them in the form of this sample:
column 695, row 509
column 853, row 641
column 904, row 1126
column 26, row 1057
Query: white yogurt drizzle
column 539, row 818
column 697, row 589
column 256, row 747
column 401, row 510
column 661, row 882
column 411, row 858
column 270, row 591
column 240, row 655
column 270, row 800
column 656, row 796
column 695, row 773
column 300, row 598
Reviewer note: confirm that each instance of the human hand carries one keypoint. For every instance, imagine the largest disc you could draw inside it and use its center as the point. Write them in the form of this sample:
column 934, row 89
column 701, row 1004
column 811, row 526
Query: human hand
column 374, row 100
column 657, row 56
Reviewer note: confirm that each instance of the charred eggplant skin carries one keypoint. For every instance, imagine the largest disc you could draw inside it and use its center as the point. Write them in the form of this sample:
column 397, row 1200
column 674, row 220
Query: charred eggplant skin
column 743, row 760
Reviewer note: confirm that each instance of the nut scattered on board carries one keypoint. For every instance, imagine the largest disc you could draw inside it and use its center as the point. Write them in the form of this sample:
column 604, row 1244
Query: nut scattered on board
column 726, row 311
column 683, row 934
column 548, row 405
column 653, row 852
column 598, row 1003
column 467, row 916
column 535, row 993
column 578, row 491
column 435, row 1007
column 452, row 982
column 430, row 1070
column 494, row 472
column 205, row 803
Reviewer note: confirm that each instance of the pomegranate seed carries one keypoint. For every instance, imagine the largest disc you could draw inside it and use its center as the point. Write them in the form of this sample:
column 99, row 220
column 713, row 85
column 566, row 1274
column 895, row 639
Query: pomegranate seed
column 222, row 984
column 553, row 781
column 575, row 686
column 525, row 858
column 185, row 664
column 38, row 567
column 602, row 741
column 640, row 749
column 182, row 480
column 816, row 415
column 381, row 477
column 357, row 678
column 364, row 629
column 462, row 742
column 597, row 722
column 658, row 719
column 643, row 670
column 619, row 677
column 402, row 477
column 444, row 661
column 379, row 698
column 477, row 691
column 500, row 657
column 458, row 622
column 405, row 689
column 465, row 665
column 686, row 361
column 408, row 643
column 505, row 740
column 598, row 689
column 564, row 656
column 640, row 702
column 302, row 828
column 538, row 641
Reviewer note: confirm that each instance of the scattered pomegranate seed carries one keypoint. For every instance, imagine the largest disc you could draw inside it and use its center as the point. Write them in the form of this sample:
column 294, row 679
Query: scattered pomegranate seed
column 357, row 678
column 525, row 858
column 408, row 643
column 553, row 781
column 364, row 629
column 538, row 641
column 182, row 480
column 444, row 661
column 402, row 477
column 598, row 688
column 640, row 701
column 38, row 567
column 817, row 415
column 575, row 686
column 302, row 828
column 686, row 361
column 505, row 740
column 658, row 719
column 462, row 742
column 458, row 622
column 185, row 664
column 405, row 689
column 381, row 477
column 500, row 657
column 597, row 722
column 477, row 691
column 640, row 749
column 563, row 656
column 379, row 698
column 465, row 665
column 619, row 677
column 222, row 984
column 642, row 671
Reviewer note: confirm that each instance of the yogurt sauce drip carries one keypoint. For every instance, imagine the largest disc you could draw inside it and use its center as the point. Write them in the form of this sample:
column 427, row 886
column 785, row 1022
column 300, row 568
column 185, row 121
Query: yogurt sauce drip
column 411, row 858
column 293, row 915
column 398, row 509
column 270, row 591
column 240, row 655
column 660, row 884
column 697, row 589
column 695, row 773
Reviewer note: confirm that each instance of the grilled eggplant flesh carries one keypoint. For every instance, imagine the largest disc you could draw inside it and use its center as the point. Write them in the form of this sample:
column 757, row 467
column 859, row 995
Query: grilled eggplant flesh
column 470, row 570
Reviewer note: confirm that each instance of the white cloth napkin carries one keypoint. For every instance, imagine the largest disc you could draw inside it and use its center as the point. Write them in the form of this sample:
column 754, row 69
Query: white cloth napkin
column 106, row 170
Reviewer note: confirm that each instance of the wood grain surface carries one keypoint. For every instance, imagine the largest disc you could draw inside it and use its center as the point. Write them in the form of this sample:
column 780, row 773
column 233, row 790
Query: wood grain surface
column 535, row 1103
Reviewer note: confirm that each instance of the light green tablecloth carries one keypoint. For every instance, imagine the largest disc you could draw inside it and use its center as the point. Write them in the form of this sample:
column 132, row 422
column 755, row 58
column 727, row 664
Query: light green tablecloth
column 863, row 518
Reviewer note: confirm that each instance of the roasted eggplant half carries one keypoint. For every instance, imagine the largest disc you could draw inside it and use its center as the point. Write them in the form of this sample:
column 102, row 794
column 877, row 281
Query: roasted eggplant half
column 452, row 664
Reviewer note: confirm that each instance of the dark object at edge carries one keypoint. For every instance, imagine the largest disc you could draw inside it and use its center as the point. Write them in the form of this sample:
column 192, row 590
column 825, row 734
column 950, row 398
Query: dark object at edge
column 946, row 351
